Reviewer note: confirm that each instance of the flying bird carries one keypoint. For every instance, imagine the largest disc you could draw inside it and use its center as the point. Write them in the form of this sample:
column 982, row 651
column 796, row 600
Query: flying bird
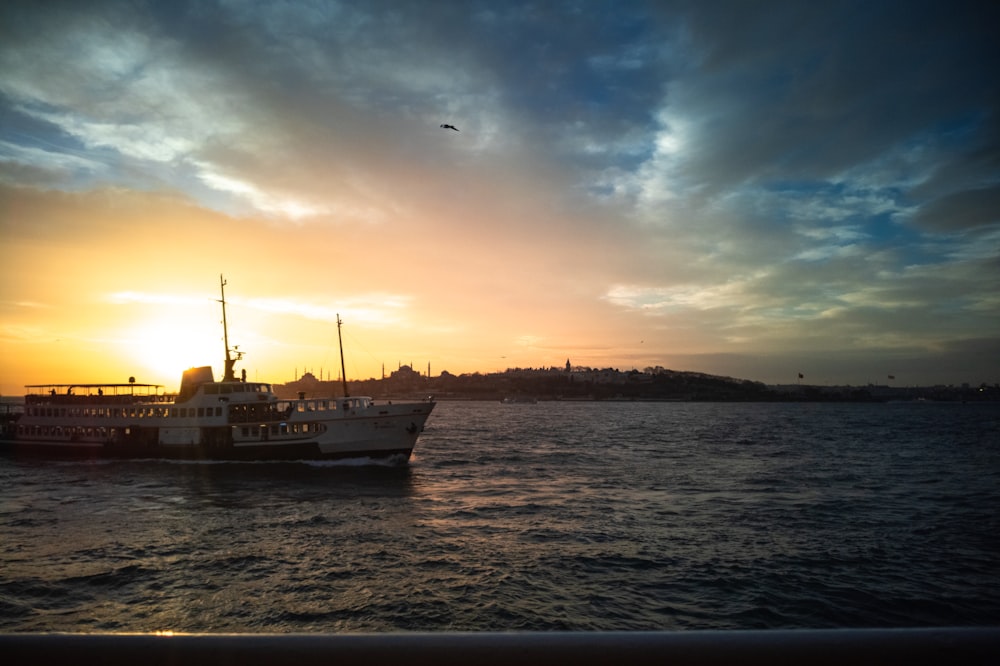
column 444, row 126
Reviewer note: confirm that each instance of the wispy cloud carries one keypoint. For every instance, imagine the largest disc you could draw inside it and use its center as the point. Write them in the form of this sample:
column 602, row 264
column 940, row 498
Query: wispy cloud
column 372, row 309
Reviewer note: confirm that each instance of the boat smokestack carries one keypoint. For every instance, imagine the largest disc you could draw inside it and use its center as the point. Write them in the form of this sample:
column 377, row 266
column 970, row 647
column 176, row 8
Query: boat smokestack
column 192, row 379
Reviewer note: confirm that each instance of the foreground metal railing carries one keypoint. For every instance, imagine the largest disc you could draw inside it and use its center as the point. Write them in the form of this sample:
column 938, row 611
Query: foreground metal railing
column 814, row 647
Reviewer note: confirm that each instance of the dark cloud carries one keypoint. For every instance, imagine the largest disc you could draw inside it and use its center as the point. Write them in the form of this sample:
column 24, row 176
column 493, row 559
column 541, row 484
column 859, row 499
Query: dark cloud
column 809, row 90
column 962, row 210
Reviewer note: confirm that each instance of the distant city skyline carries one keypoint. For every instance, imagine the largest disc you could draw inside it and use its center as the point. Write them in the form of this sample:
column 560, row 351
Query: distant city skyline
column 329, row 375
column 744, row 189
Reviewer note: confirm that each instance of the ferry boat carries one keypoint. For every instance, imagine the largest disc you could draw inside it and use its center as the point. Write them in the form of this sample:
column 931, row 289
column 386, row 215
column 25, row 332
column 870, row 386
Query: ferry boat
column 231, row 419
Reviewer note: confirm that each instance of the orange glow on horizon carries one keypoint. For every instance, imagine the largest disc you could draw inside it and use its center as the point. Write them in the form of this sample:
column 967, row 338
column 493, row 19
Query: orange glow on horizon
column 125, row 284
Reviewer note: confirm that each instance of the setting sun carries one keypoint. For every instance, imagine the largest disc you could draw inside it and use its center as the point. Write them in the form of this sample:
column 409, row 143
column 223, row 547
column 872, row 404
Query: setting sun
column 167, row 345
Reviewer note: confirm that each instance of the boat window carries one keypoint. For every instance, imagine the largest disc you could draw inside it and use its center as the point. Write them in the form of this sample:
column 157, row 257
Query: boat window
column 226, row 388
column 211, row 389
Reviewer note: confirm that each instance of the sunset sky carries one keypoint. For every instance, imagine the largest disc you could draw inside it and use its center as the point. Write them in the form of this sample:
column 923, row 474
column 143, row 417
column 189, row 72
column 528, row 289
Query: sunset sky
column 751, row 189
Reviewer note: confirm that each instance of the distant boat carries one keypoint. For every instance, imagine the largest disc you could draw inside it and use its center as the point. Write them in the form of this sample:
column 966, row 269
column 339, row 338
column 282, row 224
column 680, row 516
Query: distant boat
column 519, row 400
column 231, row 419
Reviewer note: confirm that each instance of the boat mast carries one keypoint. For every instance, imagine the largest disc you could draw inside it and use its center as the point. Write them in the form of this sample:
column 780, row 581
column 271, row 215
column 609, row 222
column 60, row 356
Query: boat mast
column 340, row 343
column 228, row 376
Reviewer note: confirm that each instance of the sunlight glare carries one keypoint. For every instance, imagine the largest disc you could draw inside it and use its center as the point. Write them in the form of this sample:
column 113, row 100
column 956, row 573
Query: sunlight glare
column 166, row 346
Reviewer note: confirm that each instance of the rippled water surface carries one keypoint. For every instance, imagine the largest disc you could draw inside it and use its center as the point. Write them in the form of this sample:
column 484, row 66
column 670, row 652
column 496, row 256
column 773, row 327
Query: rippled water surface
column 555, row 516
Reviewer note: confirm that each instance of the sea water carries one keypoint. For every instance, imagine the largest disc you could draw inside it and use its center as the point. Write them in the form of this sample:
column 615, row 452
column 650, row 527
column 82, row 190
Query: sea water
column 553, row 516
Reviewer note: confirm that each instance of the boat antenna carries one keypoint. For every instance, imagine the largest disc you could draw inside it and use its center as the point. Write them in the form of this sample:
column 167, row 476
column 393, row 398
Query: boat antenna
column 340, row 343
column 228, row 376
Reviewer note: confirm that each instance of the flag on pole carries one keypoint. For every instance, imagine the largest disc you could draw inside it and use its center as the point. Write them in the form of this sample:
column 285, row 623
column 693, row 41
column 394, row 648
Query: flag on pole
column 801, row 376
column 892, row 376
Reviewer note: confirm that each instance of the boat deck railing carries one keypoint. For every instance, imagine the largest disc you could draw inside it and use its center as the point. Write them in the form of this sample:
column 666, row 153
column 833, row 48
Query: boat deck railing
column 94, row 394
column 815, row 647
